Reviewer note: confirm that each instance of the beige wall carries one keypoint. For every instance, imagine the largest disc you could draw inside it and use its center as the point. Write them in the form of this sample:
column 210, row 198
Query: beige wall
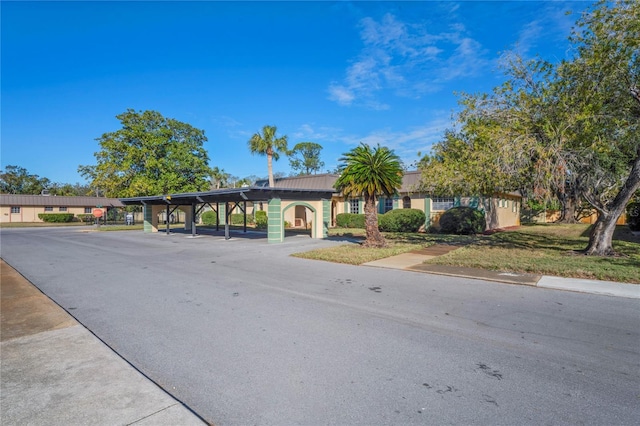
column 30, row 213
column 315, row 223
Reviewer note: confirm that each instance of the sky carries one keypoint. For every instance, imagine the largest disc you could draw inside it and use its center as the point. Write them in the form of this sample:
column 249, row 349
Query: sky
column 334, row 73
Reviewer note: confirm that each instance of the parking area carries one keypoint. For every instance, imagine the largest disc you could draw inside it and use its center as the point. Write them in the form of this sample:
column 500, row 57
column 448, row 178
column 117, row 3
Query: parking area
column 242, row 333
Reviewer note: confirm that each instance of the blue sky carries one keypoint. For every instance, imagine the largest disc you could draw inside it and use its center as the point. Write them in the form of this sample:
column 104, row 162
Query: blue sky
column 335, row 73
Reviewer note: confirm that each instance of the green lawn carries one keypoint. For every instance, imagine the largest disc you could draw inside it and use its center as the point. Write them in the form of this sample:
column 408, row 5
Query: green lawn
column 541, row 249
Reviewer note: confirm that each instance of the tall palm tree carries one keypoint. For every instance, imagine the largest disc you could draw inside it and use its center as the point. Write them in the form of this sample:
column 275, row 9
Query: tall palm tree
column 219, row 177
column 268, row 144
column 370, row 172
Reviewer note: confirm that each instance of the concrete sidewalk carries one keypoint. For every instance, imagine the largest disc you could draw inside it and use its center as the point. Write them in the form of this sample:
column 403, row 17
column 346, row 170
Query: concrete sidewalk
column 55, row 371
column 414, row 261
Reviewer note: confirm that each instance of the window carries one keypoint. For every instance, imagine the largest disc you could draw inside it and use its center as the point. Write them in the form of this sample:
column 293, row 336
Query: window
column 388, row 204
column 87, row 210
column 354, row 206
column 442, row 203
column 48, row 209
column 15, row 209
column 514, row 206
column 62, row 209
column 406, row 202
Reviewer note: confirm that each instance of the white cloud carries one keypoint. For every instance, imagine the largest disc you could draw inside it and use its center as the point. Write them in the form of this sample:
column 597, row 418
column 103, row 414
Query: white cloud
column 405, row 59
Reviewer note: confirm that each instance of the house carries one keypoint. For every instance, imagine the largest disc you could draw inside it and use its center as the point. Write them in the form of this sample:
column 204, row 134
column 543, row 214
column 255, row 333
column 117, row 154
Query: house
column 25, row 208
column 502, row 210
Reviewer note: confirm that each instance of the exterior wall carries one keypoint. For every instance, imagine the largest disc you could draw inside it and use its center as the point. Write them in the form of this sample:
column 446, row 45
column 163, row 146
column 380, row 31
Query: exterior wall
column 315, row 219
column 30, row 213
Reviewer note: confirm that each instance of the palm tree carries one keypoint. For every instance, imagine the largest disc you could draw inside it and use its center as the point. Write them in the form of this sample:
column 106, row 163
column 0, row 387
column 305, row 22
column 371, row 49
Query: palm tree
column 219, row 177
column 268, row 144
column 370, row 172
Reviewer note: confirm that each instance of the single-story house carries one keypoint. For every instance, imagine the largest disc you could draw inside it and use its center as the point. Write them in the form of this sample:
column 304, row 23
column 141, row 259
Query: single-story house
column 502, row 210
column 26, row 208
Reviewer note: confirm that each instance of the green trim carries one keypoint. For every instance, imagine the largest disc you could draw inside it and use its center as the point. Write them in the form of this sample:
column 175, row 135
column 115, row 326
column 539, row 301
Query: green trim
column 326, row 217
column 302, row 203
column 148, row 218
column 222, row 213
column 427, row 211
column 381, row 204
column 275, row 227
column 396, row 203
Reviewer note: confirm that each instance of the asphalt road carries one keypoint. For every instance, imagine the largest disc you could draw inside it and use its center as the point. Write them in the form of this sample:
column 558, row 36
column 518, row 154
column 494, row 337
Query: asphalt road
column 244, row 334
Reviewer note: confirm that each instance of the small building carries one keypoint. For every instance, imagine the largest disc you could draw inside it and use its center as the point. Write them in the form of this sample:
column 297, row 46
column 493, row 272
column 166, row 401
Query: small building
column 26, row 208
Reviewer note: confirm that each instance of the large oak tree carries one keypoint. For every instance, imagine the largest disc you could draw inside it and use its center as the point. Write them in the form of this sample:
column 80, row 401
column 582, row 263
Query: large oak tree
column 557, row 130
column 149, row 155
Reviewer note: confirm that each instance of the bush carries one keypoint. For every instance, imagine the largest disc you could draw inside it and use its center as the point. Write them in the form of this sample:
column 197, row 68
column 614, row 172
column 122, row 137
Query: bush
column 238, row 219
column 209, row 218
column 350, row 220
column 261, row 219
column 56, row 217
column 401, row 220
column 633, row 216
column 462, row 221
column 86, row 218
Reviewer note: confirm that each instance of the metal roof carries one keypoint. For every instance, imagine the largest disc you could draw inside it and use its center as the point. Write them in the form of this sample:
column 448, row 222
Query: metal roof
column 250, row 193
column 24, row 200
column 316, row 182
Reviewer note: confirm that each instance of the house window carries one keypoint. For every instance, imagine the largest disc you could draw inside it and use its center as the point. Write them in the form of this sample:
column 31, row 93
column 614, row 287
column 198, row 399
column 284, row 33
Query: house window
column 62, row 209
column 514, row 207
column 354, row 206
column 406, row 202
column 388, row 204
column 442, row 203
column 15, row 209
column 87, row 210
column 48, row 209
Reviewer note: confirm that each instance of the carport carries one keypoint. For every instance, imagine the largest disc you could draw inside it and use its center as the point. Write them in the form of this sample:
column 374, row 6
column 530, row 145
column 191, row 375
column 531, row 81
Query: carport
column 223, row 201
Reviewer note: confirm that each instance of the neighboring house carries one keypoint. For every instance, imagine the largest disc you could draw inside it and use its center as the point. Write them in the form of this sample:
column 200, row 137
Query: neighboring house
column 502, row 210
column 25, row 208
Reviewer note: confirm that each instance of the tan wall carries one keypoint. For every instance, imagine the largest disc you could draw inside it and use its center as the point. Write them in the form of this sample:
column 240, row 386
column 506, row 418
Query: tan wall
column 30, row 213
column 315, row 223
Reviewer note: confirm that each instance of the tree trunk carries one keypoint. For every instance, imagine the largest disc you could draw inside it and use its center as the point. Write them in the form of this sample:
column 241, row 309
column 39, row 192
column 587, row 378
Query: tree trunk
column 601, row 238
column 374, row 237
column 270, row 170
column 569, row 204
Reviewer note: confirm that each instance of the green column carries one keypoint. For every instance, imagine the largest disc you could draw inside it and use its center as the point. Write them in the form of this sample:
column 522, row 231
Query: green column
column 148, row 217
column 275, row 226
column 222, row 213
column 326, row 217
column 427, row 211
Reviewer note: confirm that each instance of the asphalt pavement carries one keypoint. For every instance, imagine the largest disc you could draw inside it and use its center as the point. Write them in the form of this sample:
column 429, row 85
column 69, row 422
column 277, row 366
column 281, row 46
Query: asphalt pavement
column 56, row 371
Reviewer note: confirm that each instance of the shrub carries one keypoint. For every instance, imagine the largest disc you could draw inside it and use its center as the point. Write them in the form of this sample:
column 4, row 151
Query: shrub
column 633, row 216
column 209, row 218
column 462, row 221
column 350, row 220
column 261, row 219
column 401, row 220
column 238, row 218
column 56, row 217
column 86, row 218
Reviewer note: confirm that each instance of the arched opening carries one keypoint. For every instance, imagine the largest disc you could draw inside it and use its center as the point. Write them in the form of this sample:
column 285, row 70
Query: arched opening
column 299, row 220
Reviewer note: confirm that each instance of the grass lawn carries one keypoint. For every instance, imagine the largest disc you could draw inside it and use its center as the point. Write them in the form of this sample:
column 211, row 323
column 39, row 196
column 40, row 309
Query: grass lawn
column 550, row 250
column 354, row 254
column 540, row 249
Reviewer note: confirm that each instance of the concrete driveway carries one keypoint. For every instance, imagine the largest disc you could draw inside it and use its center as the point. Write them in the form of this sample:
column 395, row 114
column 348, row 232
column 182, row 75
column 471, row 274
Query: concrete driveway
column 244, row 334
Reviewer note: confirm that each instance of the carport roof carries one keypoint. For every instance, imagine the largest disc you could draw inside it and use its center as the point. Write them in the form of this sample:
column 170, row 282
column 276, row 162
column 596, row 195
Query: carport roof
column 250, row 193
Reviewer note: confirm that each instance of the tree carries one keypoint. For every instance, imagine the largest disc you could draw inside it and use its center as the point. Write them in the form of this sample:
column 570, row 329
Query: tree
column 268, row 144
column 219, row 178
column 149, row 155
column 304, row 158
column 17, row 180
column 569, row 130
column 369, row 172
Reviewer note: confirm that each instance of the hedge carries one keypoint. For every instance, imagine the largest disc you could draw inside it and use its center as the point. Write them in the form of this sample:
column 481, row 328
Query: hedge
column 462, row 221
column 238, row 218
column 56, row 217
column 401, row 220
column 350, row 220
column 261, row 219
column 209, row 218
column 633, row 216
